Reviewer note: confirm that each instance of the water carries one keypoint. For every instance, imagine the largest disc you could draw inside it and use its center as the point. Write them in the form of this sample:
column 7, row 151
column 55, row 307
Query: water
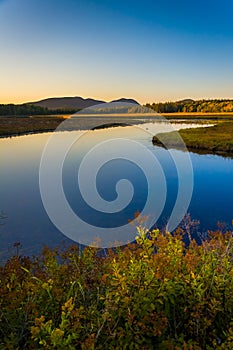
column 27, row 221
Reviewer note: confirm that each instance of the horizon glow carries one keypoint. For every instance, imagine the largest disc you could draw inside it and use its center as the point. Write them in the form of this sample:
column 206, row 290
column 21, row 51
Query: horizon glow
column 151, row 51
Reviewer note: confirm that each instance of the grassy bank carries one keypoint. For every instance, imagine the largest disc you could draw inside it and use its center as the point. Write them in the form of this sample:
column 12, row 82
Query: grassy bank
column 216, row 139
column 10, row 126
column 179, row 298
column 23, row 125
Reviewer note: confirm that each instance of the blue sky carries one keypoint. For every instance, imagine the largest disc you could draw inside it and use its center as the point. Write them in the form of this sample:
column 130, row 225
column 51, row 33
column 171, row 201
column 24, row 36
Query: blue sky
column 148, row 50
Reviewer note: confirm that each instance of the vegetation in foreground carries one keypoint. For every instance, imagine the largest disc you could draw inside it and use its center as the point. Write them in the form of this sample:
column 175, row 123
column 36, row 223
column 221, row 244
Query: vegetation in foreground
column 217, row 138
column 155, row 294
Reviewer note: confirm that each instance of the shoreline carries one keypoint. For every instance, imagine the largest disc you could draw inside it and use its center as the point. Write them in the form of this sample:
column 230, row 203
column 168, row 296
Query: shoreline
column 196, row 150
column 15, row 126
column 200, row 113
column 218, row 140
column 26, row 133
column 199, row 116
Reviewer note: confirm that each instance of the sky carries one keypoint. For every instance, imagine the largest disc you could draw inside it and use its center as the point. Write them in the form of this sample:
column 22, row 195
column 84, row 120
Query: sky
column 148, row 50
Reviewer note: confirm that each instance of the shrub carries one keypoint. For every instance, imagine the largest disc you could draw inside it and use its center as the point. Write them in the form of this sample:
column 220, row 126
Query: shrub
column 155, row 294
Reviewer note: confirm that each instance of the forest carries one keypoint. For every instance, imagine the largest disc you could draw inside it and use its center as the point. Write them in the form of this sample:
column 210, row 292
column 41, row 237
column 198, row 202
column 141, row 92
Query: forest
column 30, row 109
column 184, row 106
column 199, row 106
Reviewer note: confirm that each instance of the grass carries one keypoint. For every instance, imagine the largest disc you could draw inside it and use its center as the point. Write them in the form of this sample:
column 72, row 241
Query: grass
column 10, row 126
column 215, row 139
column 22, row 125
column 14, row 125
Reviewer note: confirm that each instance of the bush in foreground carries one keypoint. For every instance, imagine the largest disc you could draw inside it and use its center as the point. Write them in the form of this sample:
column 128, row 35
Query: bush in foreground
column 154, row 294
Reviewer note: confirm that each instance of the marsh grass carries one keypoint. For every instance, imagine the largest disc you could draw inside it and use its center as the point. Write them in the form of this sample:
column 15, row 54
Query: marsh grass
column 216, row 139
column 10, row 126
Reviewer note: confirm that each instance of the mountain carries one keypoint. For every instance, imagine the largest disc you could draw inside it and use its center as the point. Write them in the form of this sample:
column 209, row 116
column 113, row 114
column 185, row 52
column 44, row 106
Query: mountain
column 116, row 107
column 186, row 100
column 66, row 102
column 127, row 100
column 74, row 102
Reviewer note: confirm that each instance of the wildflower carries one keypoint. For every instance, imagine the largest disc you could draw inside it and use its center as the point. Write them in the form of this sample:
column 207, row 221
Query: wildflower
column 35, row 331
column 57, row 333
column 39, row 320
column 45, row 286
column 68, row 306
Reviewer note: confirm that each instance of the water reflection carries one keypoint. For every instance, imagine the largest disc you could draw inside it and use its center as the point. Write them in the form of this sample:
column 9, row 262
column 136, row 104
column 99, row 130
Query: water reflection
column 28, row 223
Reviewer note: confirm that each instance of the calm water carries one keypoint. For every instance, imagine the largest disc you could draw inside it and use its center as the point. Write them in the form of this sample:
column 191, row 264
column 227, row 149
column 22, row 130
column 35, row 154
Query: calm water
column 28, row 223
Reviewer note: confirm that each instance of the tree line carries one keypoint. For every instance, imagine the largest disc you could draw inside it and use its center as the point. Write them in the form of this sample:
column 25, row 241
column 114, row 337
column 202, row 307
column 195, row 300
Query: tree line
column 30, row 109
column 202, row 106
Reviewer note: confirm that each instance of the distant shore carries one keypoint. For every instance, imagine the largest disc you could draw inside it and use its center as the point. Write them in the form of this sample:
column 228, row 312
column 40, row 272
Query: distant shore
column 14, row 126
column 17, row 126
column 218, row 139
column 199, row 115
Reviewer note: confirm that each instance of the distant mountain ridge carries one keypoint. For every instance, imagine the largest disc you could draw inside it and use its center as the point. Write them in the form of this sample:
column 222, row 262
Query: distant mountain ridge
column 76, row 102
column 116, row 107
column 126, row 100
column 186, row 100
column 66, row 102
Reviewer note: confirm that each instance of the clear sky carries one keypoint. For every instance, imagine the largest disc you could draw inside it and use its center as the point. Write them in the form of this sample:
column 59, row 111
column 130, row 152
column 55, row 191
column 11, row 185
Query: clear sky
column 106, row 49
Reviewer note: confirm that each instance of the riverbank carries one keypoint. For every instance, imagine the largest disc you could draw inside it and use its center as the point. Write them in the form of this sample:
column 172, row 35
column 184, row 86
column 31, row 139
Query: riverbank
column 218, row 139
column 12, row 126
column 214, row 139
column 15, row 126
column 198, row 115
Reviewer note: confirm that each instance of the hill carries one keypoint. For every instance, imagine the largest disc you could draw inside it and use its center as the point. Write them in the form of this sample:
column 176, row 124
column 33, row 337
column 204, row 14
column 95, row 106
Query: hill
column 127, row 100
column 66, row 102
column 186, row 100
column 57, row 105
column 76, row 102
column 116, row 107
